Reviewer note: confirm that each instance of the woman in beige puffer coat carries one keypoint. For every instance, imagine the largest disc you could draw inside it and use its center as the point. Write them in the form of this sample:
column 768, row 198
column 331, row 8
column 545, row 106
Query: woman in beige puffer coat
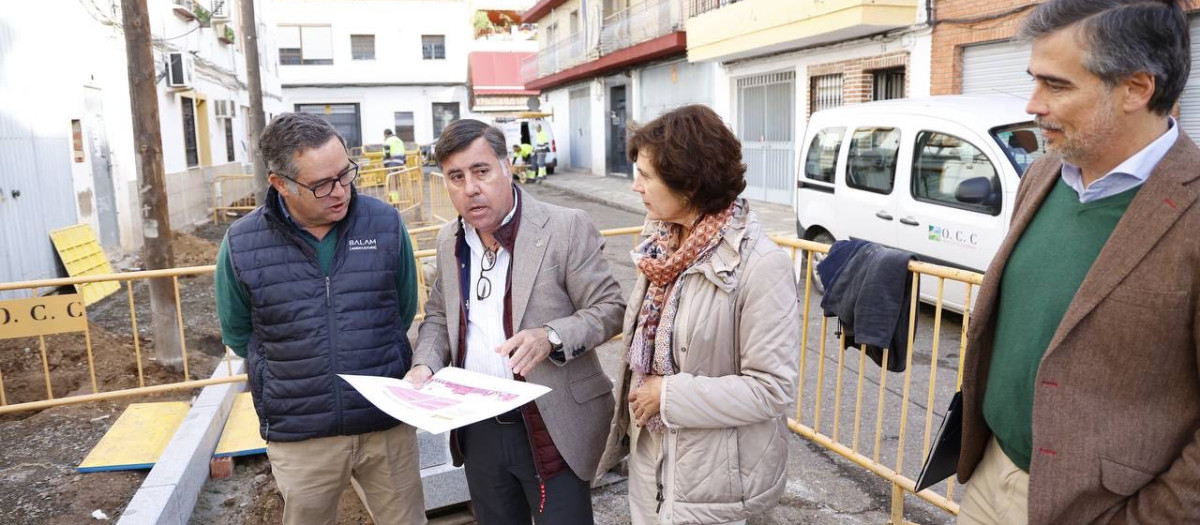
column 712, row 332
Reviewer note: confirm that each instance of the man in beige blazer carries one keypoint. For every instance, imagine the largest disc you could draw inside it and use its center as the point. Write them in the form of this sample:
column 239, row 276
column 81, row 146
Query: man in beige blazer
column 523, row 292
column 1081, row 390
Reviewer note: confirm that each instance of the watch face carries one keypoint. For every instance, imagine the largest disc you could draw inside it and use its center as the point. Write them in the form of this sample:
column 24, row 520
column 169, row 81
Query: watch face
column 553, row 336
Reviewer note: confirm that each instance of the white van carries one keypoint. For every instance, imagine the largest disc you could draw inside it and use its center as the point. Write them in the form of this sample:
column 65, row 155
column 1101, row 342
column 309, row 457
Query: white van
column 934, row 176
column 524, row 130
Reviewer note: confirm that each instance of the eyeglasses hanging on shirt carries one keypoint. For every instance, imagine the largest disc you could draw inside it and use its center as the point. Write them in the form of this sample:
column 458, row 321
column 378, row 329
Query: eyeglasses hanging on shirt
column 483, row 287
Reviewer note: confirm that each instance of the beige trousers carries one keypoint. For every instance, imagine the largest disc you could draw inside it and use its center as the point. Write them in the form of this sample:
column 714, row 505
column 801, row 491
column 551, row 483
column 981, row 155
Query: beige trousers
column 998, row 493
column 383, row 467
column 644, row 449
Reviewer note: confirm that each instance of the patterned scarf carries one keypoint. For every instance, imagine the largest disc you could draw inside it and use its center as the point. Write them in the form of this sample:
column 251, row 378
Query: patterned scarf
column 650, row 350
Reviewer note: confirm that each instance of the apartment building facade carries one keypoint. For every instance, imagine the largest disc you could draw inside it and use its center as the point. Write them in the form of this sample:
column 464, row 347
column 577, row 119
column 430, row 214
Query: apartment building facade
column 781, row 60
column 376, row 65
column 66, row 134
column 604, row 65
column 974, row 51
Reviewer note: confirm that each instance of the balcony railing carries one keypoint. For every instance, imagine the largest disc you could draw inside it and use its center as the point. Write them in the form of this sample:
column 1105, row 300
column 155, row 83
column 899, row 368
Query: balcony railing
column 629, row 27
column 639, row 23
column 697, row 7
column 564, row 54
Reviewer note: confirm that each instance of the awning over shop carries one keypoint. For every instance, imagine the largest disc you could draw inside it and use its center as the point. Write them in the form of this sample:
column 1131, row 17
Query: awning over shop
column 497, row 73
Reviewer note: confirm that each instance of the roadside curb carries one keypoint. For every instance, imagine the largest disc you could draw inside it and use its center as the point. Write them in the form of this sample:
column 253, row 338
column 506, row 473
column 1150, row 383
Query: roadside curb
column 169, row 493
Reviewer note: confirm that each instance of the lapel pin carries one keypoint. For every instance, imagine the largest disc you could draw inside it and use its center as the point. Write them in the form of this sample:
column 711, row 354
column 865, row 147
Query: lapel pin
column 1169, row 202
column 540, row 242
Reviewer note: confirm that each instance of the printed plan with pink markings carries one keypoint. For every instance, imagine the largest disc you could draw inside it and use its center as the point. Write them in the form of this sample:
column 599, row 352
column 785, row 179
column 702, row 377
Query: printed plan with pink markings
column 452, row 398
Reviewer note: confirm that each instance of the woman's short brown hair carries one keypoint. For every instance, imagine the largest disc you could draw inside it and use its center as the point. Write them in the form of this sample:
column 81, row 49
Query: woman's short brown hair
column 695, row 154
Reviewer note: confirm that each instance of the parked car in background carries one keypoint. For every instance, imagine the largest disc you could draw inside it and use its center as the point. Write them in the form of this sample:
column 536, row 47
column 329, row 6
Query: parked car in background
column 933, row 176
column 523, row 129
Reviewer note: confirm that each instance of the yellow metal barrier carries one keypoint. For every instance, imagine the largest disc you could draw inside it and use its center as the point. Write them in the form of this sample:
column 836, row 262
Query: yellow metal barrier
column 40, row 316
column 811, row 397
column 406, row 188
column 441, row 209
column 833, row 440
column 232, row 194
column 51, row 324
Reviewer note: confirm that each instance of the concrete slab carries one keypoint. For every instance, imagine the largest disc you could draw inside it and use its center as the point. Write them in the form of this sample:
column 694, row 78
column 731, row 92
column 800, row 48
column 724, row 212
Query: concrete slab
column 434, row 448
column 444, row 485
column 169, row 492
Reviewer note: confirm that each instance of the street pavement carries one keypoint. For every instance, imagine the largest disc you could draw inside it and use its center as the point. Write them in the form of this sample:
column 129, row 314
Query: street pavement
column 822, row 488
column 616, row 193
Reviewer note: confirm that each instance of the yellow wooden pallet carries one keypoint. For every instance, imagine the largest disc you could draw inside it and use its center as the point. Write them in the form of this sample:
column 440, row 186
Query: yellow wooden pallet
column 82, row 255
column 240, row 436
column 138, row 437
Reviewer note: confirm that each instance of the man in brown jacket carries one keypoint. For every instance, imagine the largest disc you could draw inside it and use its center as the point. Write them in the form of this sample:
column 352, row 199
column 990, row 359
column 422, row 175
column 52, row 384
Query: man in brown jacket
column 1081, row 389
column 523, row 291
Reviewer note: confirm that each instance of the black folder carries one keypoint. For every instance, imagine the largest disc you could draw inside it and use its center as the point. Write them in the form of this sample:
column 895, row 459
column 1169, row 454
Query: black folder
column 943, row 457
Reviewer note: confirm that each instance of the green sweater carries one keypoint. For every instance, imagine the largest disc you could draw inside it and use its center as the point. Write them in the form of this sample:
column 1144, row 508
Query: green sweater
column 233, row 300
column 1041, row 278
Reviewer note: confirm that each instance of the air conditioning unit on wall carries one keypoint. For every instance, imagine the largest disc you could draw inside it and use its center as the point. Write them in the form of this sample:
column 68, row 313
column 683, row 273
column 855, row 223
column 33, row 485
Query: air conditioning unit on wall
column 180, row 70
column 225, row 109
column 221, row 9
column 183, row 8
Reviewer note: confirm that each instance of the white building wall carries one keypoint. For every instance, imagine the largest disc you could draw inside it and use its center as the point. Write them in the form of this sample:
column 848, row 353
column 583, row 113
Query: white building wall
column 917, row 43
column 399, row 78
column 378, row 105
column 600, row 119
column 397, row 25
column 558, row 103
column 48, row 79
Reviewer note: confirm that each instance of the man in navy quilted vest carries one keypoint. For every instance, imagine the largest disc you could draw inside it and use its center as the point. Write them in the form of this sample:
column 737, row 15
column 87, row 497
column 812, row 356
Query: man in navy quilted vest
column 316, row 282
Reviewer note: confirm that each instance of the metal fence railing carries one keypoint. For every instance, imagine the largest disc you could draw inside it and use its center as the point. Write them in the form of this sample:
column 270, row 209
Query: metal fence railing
column 441, row 209
column 836, row 392
column 232, row 195
column 639, row 23
column 46, row 318
column 557, row 56
column 814, row 411
column 697, row 7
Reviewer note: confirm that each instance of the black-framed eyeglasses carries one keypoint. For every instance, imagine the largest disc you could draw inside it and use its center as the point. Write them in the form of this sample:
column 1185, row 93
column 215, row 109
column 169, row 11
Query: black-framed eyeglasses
column 324, row 188
column 483, row 287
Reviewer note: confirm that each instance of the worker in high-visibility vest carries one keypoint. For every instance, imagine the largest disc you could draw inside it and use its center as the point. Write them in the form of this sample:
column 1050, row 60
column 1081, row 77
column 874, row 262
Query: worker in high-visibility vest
column 542, row 146
column 393, row 149
column 522, row 155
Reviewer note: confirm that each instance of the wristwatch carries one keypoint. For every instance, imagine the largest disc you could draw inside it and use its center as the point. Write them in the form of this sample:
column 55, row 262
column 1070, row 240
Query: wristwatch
column 556, row 343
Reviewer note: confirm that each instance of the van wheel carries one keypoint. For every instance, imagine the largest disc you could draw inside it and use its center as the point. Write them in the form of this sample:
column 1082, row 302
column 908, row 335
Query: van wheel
column 549, row 170
column 817, row 285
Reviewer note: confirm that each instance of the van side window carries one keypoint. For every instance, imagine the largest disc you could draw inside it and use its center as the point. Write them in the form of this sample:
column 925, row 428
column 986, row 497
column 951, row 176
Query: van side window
column 871, row 164
column 950, row 171
column 821, row 161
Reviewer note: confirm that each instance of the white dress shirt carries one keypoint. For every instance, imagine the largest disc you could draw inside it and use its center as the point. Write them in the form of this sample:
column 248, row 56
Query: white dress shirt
column 485, row 317
column 1127, row 175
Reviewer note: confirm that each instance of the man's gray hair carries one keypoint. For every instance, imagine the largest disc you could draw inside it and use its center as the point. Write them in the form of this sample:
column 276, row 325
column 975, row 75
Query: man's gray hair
column 459, row 136
column 289, row 134
column 1122, row 37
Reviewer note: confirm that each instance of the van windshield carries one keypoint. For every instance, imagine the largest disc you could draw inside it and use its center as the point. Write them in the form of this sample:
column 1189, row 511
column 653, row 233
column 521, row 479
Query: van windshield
column 1023, row 143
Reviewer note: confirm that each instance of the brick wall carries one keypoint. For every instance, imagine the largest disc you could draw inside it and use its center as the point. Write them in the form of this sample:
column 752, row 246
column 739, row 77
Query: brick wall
column 965, row 22
column 857, row 79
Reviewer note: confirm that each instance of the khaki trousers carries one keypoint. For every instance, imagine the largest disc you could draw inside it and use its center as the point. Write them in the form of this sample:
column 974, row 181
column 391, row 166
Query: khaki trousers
column 644, row 450
column 383, row 467
column 998, row 493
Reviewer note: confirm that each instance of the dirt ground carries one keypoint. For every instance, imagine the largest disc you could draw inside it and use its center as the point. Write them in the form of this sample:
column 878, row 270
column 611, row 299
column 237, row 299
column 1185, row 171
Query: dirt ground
column 38, row 481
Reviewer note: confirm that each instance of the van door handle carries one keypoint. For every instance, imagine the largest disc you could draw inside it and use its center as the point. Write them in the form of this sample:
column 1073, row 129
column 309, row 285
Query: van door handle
column 909, row 221
column 883, row 215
